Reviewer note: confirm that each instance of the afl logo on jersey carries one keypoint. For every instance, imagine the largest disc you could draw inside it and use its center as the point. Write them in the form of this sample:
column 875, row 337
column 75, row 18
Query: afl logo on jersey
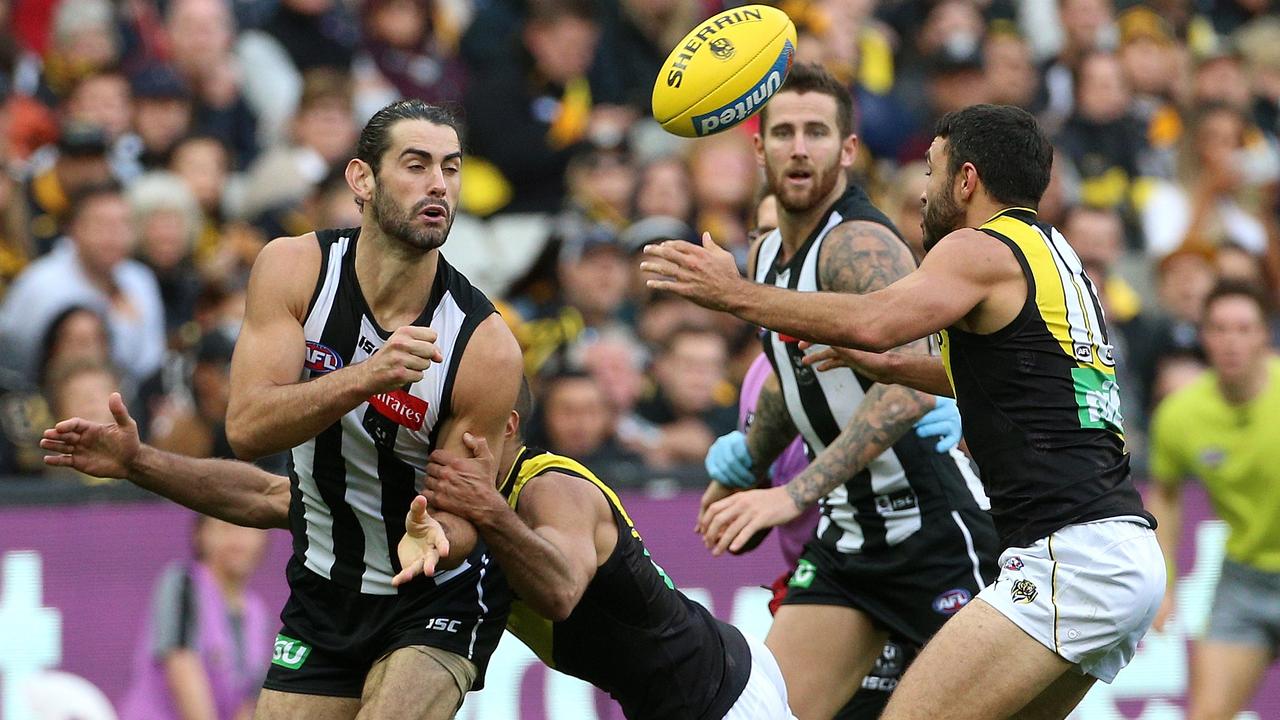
column 405, row 409
column 950, row 602
column 321, row 359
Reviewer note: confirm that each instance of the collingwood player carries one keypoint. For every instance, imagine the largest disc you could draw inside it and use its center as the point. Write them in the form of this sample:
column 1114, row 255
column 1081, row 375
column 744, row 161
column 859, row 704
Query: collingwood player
column 362, row 351
column 1025, row 350
column 591, row 603
column 902, row 543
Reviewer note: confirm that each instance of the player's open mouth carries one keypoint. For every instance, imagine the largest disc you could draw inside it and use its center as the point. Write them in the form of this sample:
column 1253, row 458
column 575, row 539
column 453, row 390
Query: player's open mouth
column 434, row 213
column 799, row 175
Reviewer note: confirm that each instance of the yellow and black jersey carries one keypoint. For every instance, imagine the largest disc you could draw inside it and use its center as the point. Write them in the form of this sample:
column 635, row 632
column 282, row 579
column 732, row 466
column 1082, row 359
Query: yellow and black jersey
column 633, row 635
column 1039, row 398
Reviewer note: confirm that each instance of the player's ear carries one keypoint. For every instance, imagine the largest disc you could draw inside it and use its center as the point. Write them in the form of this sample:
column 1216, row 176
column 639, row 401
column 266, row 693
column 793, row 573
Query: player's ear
column 513, row 426
column 849, row 150
column 360, row 179
column 968, row 180
column 757, row 142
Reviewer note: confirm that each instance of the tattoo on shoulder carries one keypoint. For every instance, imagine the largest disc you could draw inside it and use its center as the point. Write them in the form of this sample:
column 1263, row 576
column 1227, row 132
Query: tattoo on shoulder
column 862, row 257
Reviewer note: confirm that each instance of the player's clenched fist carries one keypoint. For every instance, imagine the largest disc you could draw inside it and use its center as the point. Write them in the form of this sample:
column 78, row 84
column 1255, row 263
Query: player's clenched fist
column 402, row 359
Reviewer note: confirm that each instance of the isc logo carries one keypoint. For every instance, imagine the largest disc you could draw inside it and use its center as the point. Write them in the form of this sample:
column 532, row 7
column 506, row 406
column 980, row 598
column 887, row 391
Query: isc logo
column 444, row 624
column 321, row 358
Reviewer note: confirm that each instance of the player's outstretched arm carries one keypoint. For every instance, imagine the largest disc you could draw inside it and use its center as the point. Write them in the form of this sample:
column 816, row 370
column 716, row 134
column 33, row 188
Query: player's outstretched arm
column 270, row 410
column 229, row 490
column 922, row 372
column 954, row 278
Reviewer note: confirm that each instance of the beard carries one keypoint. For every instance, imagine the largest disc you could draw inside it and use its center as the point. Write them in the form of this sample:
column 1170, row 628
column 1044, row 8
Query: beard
column 821, row 182
column 942, row 214
column 398, row 224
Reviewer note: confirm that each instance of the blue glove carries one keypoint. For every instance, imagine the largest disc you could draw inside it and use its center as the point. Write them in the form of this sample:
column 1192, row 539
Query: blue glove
column 729, row 463
column 943, row 422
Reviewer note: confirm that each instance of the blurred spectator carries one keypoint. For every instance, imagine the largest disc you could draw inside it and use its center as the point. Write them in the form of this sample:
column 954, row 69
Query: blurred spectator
column 664, row 187
column 1211, row 203
column 1155, row 71
column 527, row 115
column 323, row 139
column 24, row 414
column 725, row 174
column 78, row 334
column 1228, row 16
column 1220, row 430
column 635, row 37
column 104, row 99
column 79, row 161
column 162, row 113
column 600, row 183
column 409, row 50
column 168, row 219
column 664, row 313
column 1011, row 75
column 902, row 204
column 1088, row 26
column 1102, row 139
column 200, row 34
column 85, row 41
column 81, row 387
column 692, row 404
column 204, row 648
column 1260, row 45
column 1219, row 76
column 577, row 420
column 90, row 267
column 15, row 241
column 315, row 33
column 1183, row 281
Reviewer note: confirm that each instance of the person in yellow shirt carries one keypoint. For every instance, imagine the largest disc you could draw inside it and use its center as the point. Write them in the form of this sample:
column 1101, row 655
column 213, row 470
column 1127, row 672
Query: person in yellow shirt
column 1224, row 430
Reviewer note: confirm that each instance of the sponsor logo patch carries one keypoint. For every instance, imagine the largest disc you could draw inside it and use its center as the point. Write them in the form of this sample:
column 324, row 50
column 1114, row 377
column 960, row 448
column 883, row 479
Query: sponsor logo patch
column 321, row 358
column 1098, row 399
column 950, row 602
column 1024, row 591
column 398, row 405
column 289, row 652
column 803, row 576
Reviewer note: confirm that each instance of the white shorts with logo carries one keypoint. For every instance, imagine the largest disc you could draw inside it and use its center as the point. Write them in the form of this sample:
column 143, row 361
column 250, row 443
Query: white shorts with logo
column 765, row 696
column 1087, row 592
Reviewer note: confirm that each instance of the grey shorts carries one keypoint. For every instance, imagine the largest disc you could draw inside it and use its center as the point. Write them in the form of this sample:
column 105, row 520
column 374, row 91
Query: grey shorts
column 1246, row 607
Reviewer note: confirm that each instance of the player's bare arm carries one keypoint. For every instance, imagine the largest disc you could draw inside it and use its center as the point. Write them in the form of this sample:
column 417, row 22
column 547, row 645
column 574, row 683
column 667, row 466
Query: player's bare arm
column 236, row 492
column 956, row 278
column 551, row 549
column 858, row 257
column 270, row 410
column 922, row 372
column 484, row 392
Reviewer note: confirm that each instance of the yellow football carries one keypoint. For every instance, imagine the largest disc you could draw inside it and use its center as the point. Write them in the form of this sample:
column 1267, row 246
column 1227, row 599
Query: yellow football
column 724, row 70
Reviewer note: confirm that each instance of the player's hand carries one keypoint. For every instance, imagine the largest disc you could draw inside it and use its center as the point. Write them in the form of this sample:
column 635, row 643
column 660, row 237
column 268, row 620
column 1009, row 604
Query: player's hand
column 714, row 493
column 873, row 366
column 706, row 274
column 729, row 462
column 106, row 451
column 464, row 485
column 402, row 359
column 1166, row 610
column 942, row 422
column 732, row 522
column 421, row 546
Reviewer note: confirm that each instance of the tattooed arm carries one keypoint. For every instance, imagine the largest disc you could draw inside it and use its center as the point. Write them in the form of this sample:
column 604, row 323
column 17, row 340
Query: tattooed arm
column 772, row 429
column 857, row 257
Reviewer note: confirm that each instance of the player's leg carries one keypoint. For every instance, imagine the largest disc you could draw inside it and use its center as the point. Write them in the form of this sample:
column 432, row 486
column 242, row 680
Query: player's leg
column 1224, row 677
column 824, row 651
column 277, row 705
column 873, row 694
column 416, row 683
column 1228, row 664
column 1059, row 699
column 979, row 665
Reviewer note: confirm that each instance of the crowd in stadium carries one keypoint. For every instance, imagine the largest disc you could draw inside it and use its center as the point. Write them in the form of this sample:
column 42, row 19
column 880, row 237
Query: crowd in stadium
column 152, row 148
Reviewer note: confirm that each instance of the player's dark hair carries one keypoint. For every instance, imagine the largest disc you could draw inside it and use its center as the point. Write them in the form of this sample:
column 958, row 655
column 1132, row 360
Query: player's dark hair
column 1242, row 289
column 376, row 136
column 524, row 406
column 1005, row 144
column 813, row 78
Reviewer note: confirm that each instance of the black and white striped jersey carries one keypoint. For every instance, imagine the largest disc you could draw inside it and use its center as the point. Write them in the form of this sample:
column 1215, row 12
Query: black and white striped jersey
column 892, row 497
column 352, row 484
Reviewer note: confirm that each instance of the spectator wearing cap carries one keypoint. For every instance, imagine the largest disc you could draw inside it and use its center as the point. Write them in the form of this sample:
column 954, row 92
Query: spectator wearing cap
column 593, row 275
column 105, row 99
column 1156, row 72
column 90, row 267
column 955, row 79
column 162, row 112
column 80, row 159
